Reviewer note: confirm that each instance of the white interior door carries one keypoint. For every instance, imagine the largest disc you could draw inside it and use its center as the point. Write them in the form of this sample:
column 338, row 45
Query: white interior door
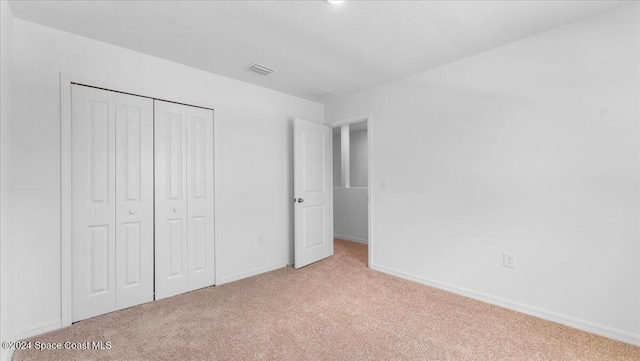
column 313, row 176
column 93, row 123
column 171, row 272
column 134, row 200
column 200, row 184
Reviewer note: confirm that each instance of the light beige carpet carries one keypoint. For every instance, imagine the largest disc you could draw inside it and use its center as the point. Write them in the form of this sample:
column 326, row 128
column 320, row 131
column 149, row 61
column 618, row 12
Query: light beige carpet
column 336, row 309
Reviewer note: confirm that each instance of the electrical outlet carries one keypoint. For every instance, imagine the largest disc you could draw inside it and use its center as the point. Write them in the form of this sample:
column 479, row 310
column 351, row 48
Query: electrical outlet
column 509, row 260
column 260, row 240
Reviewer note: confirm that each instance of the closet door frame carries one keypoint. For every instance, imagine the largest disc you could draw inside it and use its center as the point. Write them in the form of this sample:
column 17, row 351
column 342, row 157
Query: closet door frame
column 66, row 81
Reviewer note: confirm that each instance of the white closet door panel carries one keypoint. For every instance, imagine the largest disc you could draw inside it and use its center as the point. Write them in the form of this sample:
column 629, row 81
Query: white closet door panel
column 93, row 205
column 134, row 200
column 200, row 197
column 171, row 273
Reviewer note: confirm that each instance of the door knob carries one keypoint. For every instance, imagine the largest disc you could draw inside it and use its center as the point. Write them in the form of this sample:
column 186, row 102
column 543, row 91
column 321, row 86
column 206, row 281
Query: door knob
column 300, row 200
column 132, row 212
column 175, row 209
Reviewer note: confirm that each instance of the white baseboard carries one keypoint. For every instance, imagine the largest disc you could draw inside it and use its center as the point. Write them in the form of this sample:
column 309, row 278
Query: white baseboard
column 39, row 329
column 588, row 326
column 250, row 273
column 53, row 325
column 352, row 239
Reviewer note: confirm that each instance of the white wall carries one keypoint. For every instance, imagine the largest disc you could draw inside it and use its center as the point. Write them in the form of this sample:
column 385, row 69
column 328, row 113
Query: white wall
column 255, row 152
column 6, row 208
column 530, row 148
column 358, row 158
column 350, row 205
column 350, row 214
column 337, row 160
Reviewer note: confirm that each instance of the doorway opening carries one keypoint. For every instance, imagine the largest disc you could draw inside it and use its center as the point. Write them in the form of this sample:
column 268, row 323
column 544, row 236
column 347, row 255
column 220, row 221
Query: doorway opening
column 351, row 182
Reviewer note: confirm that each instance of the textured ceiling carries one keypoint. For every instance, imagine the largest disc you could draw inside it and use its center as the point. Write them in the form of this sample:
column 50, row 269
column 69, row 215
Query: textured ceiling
column 345, row 48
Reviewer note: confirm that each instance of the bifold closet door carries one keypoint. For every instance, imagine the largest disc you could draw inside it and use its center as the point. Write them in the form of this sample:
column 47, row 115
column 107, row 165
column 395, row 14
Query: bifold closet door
column 200, row 197
column 93, row 130
column 112, row 201
column 134, row 200
column 184, row 198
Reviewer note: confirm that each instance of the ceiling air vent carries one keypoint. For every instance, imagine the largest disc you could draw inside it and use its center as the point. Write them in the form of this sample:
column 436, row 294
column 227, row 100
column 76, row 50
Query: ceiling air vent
column 319, row 92
column 260, row 69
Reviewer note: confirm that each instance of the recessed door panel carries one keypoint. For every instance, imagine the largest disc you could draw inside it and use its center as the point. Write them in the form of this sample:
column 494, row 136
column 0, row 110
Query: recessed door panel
column 176, row 264
column 199, row 235
column 134, row 200
column 99, row 268
column 93, row 202
column 132, row 144
column 313, row 144
column 174, row 150
column 100, row 121
column 198, row 157
column 132, row 255
column 314, row 226
column 171, row 211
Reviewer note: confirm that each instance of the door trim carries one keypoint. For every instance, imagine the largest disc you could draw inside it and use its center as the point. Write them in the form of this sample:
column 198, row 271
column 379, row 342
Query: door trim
column 355, row 119
column 66, row 80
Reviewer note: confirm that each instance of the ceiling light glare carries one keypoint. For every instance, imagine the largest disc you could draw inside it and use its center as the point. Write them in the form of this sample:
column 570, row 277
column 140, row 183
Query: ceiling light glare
column 335, row 2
